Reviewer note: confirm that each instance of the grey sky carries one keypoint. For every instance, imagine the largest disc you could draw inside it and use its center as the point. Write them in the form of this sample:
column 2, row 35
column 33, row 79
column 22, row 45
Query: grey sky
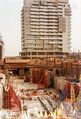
column 10, row 25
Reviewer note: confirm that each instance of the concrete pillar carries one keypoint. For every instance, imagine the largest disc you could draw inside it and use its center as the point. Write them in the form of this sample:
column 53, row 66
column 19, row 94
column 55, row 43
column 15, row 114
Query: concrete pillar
column 21, row 73
column 31, row 79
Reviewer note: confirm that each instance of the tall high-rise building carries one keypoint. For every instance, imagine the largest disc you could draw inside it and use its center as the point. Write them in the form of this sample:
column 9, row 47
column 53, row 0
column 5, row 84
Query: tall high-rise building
column 45, row 28
column 1, row 47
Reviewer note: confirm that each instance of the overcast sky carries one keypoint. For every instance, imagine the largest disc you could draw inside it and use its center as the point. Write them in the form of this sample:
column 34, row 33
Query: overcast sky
column 10, row 25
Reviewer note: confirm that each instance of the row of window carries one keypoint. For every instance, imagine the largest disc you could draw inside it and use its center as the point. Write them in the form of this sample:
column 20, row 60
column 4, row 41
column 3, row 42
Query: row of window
column 44, row 18
column 45, row 36
column 41, row 53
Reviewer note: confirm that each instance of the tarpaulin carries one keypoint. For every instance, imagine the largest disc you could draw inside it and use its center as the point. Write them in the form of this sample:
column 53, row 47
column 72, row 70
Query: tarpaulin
column 13, row 101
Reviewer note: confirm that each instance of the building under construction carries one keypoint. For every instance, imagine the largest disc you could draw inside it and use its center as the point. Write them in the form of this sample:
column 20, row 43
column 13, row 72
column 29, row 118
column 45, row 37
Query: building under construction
column 45, row 28
column 1, row 48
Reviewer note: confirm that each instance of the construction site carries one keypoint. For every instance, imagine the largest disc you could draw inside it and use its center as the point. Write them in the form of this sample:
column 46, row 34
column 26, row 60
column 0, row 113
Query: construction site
column 44, row 81
column 41, row 88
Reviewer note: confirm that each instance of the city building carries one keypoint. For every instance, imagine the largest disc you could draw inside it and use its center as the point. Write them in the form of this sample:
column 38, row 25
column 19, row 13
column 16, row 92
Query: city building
column 45, row 28
column 1, row 48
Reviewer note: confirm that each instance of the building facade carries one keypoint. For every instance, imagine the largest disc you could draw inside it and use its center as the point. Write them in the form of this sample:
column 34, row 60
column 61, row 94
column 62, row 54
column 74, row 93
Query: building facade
column 45, row 28
column 1, row 48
